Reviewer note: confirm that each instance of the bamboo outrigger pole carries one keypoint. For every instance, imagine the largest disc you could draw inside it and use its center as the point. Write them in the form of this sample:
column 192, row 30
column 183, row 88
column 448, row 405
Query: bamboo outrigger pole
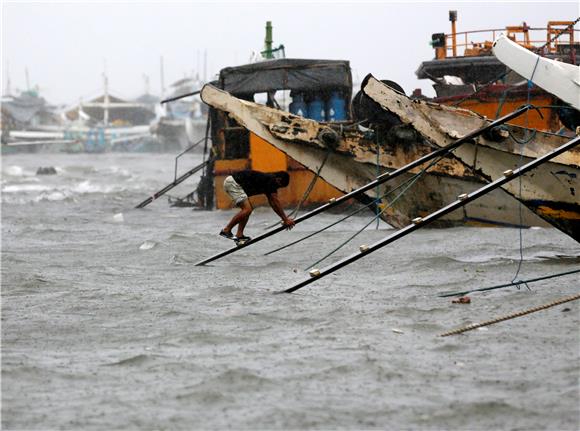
column 172, row 99
column 176, row 182
column 380, row 179
column 419, row 222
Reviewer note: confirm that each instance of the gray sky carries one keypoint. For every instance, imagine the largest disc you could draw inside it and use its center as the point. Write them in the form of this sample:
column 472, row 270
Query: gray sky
column 65, row 45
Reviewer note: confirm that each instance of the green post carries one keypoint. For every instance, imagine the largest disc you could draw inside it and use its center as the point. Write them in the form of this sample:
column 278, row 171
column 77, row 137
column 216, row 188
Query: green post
column 268, row 41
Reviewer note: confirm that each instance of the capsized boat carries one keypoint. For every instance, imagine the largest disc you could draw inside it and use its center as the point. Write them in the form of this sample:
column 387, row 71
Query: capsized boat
column 348, row 158
column 551, row 190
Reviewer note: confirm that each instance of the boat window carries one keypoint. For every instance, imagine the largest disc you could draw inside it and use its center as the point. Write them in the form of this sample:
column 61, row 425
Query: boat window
column 237, row 139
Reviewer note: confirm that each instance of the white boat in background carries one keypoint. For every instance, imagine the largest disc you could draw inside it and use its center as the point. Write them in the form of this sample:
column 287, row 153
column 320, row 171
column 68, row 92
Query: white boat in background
column 556, row 77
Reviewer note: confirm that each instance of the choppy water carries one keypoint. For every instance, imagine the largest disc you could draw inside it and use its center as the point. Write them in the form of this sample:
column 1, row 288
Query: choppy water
column 107, row 324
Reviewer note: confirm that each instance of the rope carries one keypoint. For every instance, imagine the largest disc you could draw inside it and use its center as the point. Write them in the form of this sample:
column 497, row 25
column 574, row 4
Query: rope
column 502, row 100
column 323, row 229
column 564, row 30
column 378, row 174
column 306, row 192
column 501, row 76
column 525, row 140
column 364, row 207
column 409, row 183
column 378, row 199
column 510, row 316
column 311, row 185
column 517, row 284
column 528, row 137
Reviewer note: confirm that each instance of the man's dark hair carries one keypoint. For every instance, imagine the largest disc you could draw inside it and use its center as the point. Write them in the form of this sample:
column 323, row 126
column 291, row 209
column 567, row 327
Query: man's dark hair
column 284, row 178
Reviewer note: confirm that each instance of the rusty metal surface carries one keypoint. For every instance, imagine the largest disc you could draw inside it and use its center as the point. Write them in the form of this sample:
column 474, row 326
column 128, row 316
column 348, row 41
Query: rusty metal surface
column 546, row 191
column 352, row 163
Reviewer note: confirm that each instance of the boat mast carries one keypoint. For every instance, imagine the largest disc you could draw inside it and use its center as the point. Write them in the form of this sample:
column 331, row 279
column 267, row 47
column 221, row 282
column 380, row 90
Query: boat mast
column 27, row 79
column 7, row 89
column 106, row 105
column 161, row 77
column 268, row 41
column 453, row 19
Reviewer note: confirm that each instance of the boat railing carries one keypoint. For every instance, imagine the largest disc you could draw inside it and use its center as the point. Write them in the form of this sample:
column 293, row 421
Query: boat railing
column 464, row 44
column 191, row 147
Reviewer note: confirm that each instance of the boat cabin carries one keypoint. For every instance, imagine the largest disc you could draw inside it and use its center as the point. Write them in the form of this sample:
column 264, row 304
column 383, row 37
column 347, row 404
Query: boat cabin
column 316, row 89
column 466, row 74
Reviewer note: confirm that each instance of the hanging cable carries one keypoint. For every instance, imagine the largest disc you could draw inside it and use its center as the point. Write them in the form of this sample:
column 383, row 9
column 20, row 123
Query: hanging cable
column 378, row 174
column 409, row 183
column 469, row 96
column 306, row 192
column 528, row 137
column 512, row 284
column 311, row 185
column 310, row 235
column 364, row 207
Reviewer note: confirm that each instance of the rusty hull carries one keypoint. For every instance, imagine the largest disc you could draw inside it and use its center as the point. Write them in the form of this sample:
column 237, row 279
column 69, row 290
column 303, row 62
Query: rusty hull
column 351, row 162
column 552, row 190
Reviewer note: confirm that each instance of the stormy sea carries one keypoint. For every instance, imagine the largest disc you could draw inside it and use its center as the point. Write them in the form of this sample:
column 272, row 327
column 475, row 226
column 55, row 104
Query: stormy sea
column 108, row 324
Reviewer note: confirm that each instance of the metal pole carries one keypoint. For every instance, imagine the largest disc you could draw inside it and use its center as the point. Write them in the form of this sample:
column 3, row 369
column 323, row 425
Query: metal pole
column 268, row 41
column 453, row 18
column 106, row 104
column 27, row 79
column 421, row 222
column 161, row 76
column 171, row 99
column 173, row 184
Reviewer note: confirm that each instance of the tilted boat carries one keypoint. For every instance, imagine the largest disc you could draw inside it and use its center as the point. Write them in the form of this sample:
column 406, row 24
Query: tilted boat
column 313, row 86
column 348, row 157
column 551, row 191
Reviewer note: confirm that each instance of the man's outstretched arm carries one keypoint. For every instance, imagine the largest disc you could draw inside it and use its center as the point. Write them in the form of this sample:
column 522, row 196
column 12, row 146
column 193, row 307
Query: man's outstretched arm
column 277, row 207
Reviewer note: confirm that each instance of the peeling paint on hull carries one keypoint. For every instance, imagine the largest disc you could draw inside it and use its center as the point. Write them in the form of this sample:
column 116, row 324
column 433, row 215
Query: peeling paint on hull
column 352, row 163
column 554, row 184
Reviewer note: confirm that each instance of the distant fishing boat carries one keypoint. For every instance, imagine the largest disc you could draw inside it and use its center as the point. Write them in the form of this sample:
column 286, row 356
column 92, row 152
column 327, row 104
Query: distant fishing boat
column 348, row 157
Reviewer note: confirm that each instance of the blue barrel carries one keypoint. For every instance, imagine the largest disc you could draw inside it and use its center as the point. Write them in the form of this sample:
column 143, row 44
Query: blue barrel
column 316, row 109
column 335, row 107
column 298, row 105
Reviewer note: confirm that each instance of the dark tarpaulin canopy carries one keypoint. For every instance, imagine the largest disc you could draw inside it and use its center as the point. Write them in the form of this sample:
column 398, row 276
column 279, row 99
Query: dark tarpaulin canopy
column 286, row 74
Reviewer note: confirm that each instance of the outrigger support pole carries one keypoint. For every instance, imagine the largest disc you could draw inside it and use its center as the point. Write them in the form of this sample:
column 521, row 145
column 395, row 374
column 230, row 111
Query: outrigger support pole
column 419, row 222
column 380, row 179
column 175, row 182
column 172, row 99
